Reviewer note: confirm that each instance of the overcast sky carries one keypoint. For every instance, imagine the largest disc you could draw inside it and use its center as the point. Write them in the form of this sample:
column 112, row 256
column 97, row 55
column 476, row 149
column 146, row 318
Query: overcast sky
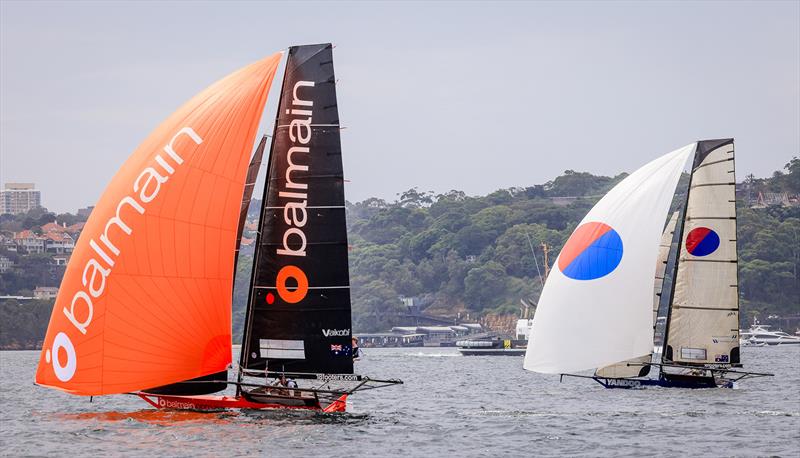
column 440, row 96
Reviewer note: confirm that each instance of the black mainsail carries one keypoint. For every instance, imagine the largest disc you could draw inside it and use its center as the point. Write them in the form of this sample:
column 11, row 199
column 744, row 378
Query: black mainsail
column 298, row 312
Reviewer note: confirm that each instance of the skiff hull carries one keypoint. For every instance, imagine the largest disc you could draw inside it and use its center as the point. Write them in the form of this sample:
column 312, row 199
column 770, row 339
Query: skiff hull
column 671, row 382
column 211, row 403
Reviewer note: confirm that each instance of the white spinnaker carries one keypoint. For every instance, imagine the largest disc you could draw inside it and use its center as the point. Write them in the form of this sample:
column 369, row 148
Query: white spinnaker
column 585, row 324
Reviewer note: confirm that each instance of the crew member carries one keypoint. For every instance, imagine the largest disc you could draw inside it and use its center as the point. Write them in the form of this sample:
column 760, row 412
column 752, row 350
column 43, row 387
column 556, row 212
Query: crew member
column 356, row 350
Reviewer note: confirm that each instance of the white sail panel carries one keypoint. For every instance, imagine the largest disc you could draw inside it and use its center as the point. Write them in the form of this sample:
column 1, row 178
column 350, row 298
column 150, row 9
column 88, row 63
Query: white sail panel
column 703, row 324
column 634, row 367
column 595, row 309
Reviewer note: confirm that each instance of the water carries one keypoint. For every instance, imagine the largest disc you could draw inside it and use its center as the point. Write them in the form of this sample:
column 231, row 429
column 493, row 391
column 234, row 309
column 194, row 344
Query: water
column 449, row 405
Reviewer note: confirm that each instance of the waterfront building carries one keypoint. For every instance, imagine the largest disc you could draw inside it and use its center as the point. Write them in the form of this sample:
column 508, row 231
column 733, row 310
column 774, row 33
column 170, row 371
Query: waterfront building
column 45, row 292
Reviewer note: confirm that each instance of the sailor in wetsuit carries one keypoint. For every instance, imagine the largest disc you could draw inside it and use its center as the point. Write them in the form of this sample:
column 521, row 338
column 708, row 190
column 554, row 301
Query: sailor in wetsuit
column 356, row 350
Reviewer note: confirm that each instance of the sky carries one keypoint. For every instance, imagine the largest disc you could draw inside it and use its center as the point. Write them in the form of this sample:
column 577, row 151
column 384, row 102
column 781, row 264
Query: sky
column 470, row 96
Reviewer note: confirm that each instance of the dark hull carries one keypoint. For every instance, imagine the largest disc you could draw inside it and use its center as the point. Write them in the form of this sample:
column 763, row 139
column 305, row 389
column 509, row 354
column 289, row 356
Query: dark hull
column 492, row 351
column 668, row 381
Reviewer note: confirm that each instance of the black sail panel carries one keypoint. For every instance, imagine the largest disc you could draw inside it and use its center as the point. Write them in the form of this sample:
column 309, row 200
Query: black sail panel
column 299, row 306
column 252, row 175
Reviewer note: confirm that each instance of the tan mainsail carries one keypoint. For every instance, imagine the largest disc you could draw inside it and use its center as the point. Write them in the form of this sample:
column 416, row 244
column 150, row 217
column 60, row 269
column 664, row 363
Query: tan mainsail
column 703, row 323
column 636, row 369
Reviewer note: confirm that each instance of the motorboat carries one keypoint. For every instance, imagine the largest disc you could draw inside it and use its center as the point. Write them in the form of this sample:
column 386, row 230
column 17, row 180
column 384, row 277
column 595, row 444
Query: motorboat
column 492, row 346
column 760, row 335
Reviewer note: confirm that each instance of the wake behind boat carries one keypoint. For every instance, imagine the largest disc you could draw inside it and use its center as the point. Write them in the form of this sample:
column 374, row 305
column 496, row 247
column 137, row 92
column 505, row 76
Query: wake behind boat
column 145, row 303
column 604, row 279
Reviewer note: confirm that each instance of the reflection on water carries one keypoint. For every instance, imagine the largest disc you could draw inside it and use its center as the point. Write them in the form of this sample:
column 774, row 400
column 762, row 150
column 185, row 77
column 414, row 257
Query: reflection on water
column 152, row 416
column 449, row 405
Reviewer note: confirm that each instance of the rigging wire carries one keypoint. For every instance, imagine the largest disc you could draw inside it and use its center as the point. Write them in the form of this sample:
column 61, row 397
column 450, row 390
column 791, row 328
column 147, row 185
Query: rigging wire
column 534, row 259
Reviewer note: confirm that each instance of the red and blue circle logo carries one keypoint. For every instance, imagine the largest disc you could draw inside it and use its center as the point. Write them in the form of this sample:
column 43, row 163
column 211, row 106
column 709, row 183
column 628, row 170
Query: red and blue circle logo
column 593, row 251
column 702, row 241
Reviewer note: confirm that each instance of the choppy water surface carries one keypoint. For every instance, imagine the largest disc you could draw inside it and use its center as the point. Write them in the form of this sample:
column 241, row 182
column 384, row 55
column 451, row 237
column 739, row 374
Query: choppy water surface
column 450, row 405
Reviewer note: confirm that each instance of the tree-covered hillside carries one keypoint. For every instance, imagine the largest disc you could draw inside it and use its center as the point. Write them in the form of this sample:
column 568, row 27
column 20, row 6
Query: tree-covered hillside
column 458, row 254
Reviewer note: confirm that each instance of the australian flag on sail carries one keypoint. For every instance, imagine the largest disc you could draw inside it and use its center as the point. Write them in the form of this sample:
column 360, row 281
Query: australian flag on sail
column 341, row 350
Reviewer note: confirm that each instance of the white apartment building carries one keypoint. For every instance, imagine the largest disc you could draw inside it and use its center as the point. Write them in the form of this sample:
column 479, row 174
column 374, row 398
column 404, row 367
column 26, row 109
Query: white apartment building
column 19, row 198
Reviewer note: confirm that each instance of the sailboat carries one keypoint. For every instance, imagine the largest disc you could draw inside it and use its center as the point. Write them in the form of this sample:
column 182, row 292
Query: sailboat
column 144, row 307
column 609, row 280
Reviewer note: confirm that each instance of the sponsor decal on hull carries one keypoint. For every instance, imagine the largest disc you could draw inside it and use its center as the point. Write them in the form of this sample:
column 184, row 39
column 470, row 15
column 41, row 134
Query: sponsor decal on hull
column 622, row 383
column 338, row 377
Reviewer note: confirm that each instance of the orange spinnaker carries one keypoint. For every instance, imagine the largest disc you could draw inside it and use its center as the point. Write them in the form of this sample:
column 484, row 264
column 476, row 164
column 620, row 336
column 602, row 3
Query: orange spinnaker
column 146, row 297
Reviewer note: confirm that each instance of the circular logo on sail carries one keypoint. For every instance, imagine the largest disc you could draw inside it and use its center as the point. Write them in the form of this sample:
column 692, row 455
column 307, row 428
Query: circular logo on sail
column 594, row 250
column 702, row 241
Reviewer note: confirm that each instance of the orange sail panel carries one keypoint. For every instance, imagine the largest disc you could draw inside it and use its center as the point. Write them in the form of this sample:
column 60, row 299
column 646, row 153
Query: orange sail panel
column 146, row 297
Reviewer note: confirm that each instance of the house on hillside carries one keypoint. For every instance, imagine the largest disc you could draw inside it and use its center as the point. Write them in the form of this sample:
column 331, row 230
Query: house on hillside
column 766, row 199
column 60, row 259
column 29, row 241
column 7, row 243
column 59, row 242
column 54, row 227
column 5, row 264
column 75, row 229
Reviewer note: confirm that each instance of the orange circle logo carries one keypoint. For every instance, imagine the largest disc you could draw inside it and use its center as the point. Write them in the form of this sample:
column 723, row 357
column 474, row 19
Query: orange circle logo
column 300, row 290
